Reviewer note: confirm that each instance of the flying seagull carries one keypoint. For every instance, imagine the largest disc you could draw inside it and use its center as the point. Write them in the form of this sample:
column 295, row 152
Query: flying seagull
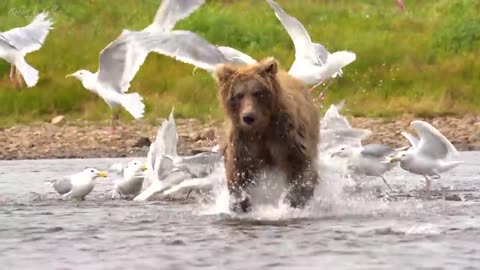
column 17, row 42
column 122, row 58
column 313, row 64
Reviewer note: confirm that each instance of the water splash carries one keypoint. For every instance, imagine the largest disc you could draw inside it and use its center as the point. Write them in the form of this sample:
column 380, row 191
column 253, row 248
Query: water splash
column 331, row 197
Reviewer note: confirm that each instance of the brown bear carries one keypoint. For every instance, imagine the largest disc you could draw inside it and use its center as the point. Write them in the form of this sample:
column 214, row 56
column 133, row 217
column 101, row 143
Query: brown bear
column 271, row 123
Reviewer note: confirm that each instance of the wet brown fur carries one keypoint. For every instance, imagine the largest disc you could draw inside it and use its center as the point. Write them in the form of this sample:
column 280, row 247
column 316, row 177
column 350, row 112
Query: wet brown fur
column 284, row 135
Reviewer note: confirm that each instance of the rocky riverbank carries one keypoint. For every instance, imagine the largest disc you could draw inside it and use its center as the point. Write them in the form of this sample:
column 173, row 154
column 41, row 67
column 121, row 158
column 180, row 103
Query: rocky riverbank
column 87, row 139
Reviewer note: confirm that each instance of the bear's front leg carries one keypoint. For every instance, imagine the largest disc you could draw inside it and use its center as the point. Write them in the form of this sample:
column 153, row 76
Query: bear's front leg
column 239, row 178
column 302, row 186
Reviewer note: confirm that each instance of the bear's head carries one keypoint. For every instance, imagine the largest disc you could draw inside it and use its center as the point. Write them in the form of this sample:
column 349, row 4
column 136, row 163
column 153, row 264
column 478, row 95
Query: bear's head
column 249, row 94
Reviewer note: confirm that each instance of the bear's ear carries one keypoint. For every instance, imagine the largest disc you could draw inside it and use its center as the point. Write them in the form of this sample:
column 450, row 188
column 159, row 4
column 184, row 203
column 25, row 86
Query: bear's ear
column 268, row 67
column 223, row 73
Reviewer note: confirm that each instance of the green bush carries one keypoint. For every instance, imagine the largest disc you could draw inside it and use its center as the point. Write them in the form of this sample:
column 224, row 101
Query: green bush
column 460, row 31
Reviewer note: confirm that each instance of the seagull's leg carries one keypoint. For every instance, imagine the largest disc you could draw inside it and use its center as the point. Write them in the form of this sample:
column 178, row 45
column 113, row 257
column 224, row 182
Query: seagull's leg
column 428, row 183
column 322, row 94
column 386, row 183
column 19, row 77
column 112, row 124
column 115, row 118
column 315, row 86
column 12, row 72
column 188, row 194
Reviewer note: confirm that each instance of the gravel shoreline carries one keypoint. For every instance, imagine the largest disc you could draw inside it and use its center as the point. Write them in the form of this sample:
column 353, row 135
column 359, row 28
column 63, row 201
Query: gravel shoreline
column 79, row 139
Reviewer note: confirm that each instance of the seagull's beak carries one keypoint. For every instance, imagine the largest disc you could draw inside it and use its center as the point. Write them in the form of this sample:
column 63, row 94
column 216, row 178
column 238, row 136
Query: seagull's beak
column 144, row 167
column 391, row 159
column 102, row 174
column 69, row 75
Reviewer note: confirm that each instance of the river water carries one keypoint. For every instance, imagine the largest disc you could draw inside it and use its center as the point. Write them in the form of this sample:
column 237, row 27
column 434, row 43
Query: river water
column 39, row 231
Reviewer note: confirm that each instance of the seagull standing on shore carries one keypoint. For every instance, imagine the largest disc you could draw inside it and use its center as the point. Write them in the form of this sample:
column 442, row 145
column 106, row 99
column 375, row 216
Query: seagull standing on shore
column 17, row 42
column 123, row 57
column 132, row 180
column 78, row 185
column 313, row 64
column 430, row 156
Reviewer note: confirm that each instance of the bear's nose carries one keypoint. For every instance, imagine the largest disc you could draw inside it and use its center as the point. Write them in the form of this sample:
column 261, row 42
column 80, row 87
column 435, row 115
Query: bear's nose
column 248, row 118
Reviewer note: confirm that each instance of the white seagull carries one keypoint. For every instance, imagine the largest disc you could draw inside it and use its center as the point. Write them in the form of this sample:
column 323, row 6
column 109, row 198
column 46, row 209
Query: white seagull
column 78, row 185
column 313, row 64
column 430, row 155
column 17, row 42
column 166, row 169
column 122, row 58
column 338, row 138
column 367, row 160
column 114, row 73
column 158, row 165
column 132, row 180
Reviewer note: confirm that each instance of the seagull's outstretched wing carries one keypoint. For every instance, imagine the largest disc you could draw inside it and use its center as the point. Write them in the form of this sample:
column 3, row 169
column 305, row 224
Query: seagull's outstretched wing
column 165, row 144
column 432, row 143
column 340, row 105
column 170, row 136
column 411, row 138
column 337, row 60
column 172, row 11
column 122, row 58
column 304, row 50
column 235, row 56
column 189, row 48
column 334, row 120
column 31, row 37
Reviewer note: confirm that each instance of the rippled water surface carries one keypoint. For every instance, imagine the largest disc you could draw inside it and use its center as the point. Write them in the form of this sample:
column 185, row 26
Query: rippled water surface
column 39, row 231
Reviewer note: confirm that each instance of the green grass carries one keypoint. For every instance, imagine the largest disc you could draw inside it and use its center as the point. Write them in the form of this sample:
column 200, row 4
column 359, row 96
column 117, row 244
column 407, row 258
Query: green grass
column 423, row 61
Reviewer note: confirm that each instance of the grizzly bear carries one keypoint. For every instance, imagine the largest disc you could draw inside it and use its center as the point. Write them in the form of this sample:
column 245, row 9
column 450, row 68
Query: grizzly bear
column 271, row 123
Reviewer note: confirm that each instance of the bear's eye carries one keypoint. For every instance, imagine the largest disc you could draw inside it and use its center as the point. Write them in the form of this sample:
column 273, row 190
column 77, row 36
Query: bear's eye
column 236, row 99
column 260, row 94
column 238, row 96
